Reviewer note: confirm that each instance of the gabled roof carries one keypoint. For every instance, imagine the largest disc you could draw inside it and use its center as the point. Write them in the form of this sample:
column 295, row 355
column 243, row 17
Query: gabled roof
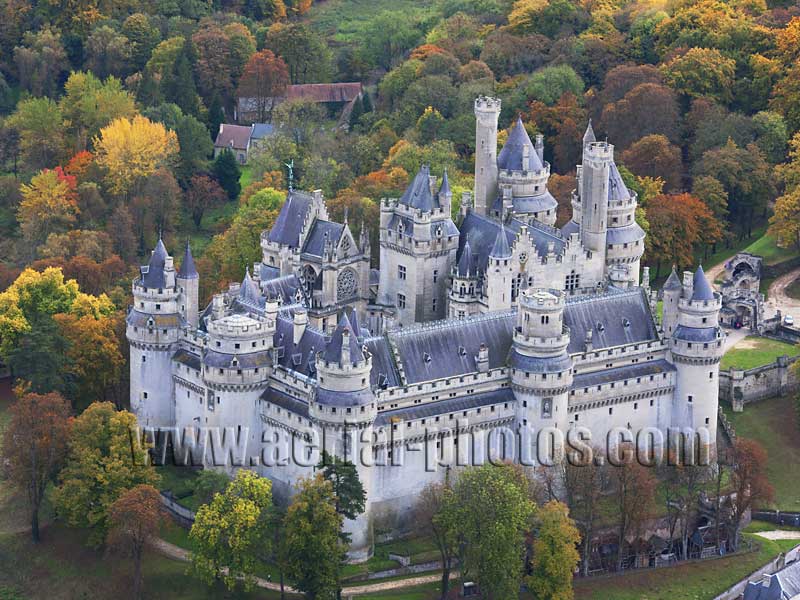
column 510, row 157
column 321, row 232
column 289, row 224
column 333, row 350
column 418, row 195
column 261, row 130
column 152, row 275
column 701, row 288
column 249, row 294
column 187, row 270
column 324, row 92
column 233, row 136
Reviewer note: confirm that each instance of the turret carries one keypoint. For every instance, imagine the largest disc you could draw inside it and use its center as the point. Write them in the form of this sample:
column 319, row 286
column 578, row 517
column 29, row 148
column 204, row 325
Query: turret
column 541, row 368
column 463, row 298
column 597, row 159
column 153, row 326
column 188, row 281
column 345, row 409
column 696, row 348
column 671, row 294
column 499, row 274
column 487, row 113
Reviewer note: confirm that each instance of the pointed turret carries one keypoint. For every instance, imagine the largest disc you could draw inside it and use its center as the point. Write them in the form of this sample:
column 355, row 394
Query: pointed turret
column 588, row 137
column 501, row 248
column 344, row 347
column 188, row 269
column 248, row 292
column 153, row 273
column 444, row 188
column 418, row 195
column 465, row 262
column 673, row 281
column 701, row 287
column 518, row 153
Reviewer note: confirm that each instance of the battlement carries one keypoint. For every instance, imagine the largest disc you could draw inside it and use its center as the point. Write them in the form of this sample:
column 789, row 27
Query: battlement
column 239, row 326
column 487, row 104
column 541, row 299
column 600, row 151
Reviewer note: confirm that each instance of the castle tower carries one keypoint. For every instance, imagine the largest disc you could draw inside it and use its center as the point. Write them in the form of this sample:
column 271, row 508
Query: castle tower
column 345, row 409
column 152, row 327
column 487, row 113
column 541, row 368
column 499, row 274
column 671, row 293
column 594, row 182
column 189, row 283
column 463, row 299
column 419, row 242
column 696, row 350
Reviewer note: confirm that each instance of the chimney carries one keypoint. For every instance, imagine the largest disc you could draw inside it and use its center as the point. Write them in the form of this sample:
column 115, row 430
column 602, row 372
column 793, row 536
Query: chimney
column 540, row 147
column 526, row 158
column 646, row 277
column 345, row 347
column 217, row 307
column 588, row 341
column 688, row 284
column 300, row 322
column 482, row 360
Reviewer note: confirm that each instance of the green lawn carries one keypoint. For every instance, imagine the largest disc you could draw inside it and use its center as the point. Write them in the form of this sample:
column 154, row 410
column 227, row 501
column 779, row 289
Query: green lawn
column 722, row 254
column 246, row 178
column 766, row 247
column 773, row 423
column 753, row 351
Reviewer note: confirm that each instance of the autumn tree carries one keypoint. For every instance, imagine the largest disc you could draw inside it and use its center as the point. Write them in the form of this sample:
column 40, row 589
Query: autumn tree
column 749, row 482
column 306, row 55
column 313, row 550
column 678, row 224
column 264, row 79
column 132, row 149
column 40, row 61
column 230, row 533
column 493, row 516
column 49, row 205
column 554, row 553
column 34, row 446
column 203, row 193
column 786, row 97
column 681, row 486
column 646, row 109
column 585, row 483
column 654, row 156
column 104, row 460
column 634, row 487
column 701, row 72
column 435, row 517
column 134, row 520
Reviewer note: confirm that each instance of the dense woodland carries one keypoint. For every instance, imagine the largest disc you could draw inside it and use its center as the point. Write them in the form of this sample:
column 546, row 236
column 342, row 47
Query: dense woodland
column 108, row 112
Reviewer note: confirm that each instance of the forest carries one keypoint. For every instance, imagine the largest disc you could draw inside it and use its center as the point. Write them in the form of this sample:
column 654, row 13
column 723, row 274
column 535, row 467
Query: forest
column 109, row 110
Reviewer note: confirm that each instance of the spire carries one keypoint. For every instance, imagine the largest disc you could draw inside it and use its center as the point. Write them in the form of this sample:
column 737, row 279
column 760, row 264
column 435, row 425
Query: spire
column 344, row 332
column 588, row 137
column 500, row 248
column 444, row 189
column 465, row 262
column 248, row 291
column 187, row 270
column 673, row 282
column 701, row 289
column 518, row 146
column 153, row 274
column 418, row 195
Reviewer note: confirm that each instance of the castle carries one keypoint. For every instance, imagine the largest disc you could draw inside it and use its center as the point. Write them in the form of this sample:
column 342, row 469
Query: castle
column 497, row 323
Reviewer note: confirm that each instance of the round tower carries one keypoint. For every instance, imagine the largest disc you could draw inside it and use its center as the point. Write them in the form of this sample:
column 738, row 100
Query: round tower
column 344, row 409
column 499, row 274
column 188, row 282
column 487, row 113
column 541, row 368
column 152, row 327
column 463, row 297
column 696, row 347
column 594, row 190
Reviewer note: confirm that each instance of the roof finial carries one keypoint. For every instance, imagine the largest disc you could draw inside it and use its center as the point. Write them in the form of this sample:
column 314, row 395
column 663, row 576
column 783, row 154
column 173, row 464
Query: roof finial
column 290, row 178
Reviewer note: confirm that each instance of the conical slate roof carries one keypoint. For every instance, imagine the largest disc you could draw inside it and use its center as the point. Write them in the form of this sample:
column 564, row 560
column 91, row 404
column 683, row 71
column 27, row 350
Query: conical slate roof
column 333, row 350
column 444, row 189
column 154, row 275
column 701, row 288
column 418, row 195
column 188, row 270
column 500, row 248
column 673, row 282
column 249, row 292
column 588, row 137
column 465, row 262
column 510, row 157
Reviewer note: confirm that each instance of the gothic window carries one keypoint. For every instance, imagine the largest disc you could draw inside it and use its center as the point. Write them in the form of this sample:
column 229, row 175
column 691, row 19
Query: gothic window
column 346, row 286
column 515, row 285
column 572, row 282
column 309, row 278
column 547, row 408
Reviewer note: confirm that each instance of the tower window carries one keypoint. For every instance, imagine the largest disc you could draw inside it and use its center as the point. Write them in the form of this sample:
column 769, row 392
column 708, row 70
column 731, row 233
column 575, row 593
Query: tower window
column 690, row 398
column 144, row 358
column 434, row 305
column 401, row 301
column 435, row 276
column 401, row 272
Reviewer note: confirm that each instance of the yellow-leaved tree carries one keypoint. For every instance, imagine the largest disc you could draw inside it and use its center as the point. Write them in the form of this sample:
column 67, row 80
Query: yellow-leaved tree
column 132, row 149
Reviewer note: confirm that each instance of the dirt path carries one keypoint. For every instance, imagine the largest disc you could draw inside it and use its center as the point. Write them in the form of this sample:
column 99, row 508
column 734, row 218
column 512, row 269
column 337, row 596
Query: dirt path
column 779, row 534
column 177, row 553
column 779, row 300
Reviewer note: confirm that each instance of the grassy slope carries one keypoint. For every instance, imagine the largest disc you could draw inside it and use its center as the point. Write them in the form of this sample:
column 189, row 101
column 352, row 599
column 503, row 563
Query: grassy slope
column 754, row 352
column 773, row 423
column 345, row 20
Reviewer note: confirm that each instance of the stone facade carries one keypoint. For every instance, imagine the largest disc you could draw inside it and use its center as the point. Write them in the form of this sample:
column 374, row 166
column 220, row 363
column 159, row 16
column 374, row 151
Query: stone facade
column 507, row 328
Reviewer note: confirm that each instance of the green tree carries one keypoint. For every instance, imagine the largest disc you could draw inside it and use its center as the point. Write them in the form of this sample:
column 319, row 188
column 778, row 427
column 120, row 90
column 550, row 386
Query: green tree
column 494, row 514
column 178, row 87
column 304, row 52
column 208, row 484
column 701, row 72
column 313, row 549
column 227, row 173
column 347, row 488
column 37, row 357
column 104, row 460
column 230, row 533
column 143, row 36
column 41, row 132
column 554, row 555
column 195, row 147
column 387, row 37
column 436, row 515
column 549, row 84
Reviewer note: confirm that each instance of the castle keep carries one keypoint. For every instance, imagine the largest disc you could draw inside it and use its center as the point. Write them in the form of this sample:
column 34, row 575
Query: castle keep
column 495, row 322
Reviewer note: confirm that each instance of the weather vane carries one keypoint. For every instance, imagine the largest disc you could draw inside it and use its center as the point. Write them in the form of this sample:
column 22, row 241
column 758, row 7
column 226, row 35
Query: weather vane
column 290, row 166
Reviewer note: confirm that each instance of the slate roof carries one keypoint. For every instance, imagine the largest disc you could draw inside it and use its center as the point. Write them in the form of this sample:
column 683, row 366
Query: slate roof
column 283, row 288
column 617, row 191
column 285, row 401
column 233, row 136
column 529, row 204
column 268, row 272
column 333, row 349
column 510, row 157
column 187, row 358
column 160, row 321
column 783, row 585
column 696, row 334
column 418, row 194
column 249, row 294
column 533, row 364
column 261, row 130
column 701, row 288
column 188, row 270
column 655, row 367
column 444, row 188
column 322, row 231
column 224, row 360
column 152, row 274
column 440, row 407
column 500, row 249
column 588, row 137
column 673, row 281
column 627, row 234
column 324, row 92
column 465, row 261
column 289, row 224
column 569, row 228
